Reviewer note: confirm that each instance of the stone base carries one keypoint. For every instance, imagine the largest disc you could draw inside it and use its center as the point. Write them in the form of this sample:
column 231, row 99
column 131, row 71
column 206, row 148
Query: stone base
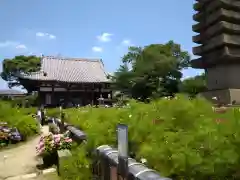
column 224, row 96
column 62, row 156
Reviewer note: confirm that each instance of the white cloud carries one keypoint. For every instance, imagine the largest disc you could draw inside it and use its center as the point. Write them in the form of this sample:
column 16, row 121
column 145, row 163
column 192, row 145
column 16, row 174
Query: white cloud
column 52, row 36
column 127, row 42
column 105, row 37
column 6, row 44
column 41, row 34
column 97, row 49
column 12, row 44
column 21, row 46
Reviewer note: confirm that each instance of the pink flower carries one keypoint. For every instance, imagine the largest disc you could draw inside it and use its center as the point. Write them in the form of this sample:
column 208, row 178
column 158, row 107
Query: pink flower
column 56, row 136
column 40, row 145
column 57, row 140
column 68, row 140
column 41, row 138
column 40, row 151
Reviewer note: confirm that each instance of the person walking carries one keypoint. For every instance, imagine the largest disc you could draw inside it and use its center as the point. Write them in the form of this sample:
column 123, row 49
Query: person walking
column 39, row 117
column 42, row 116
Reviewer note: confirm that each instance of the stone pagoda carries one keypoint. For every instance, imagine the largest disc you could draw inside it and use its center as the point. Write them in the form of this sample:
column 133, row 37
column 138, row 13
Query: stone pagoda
column 218, row 28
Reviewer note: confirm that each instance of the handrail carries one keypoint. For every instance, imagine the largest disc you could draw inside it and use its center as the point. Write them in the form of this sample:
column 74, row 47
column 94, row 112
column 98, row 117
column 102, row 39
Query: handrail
column 76, row 134
column 137, row 170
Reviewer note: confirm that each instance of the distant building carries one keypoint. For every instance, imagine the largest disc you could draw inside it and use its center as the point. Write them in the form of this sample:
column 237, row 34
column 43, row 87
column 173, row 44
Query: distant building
column 68, row 81
column 11, row 94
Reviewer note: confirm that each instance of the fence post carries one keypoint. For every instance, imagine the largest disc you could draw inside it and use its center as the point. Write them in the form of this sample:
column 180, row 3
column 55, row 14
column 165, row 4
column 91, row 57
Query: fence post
column 62, row 128
column 103, row 165
column 122, row 168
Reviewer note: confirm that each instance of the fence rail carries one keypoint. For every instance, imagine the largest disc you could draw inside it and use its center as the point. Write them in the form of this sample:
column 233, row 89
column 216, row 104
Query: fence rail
column 106, row 163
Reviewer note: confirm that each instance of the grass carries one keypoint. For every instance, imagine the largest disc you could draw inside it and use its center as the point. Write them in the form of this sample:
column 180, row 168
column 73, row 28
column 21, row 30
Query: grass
column 50, row 176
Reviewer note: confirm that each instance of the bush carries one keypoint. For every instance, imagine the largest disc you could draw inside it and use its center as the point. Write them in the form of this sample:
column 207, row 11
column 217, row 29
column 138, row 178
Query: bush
column 25, row 101
column 20, row 118
column 76, row 167
column 54, row 112
column 180, row 138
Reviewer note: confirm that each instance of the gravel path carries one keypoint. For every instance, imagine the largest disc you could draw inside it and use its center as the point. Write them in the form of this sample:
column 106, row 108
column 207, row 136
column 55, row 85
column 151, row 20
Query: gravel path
column 21, row 159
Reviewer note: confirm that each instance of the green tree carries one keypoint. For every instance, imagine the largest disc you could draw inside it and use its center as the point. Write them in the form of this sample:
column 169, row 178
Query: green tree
column 194, row 85
column 151, row 71
column 11, row 68
column 122, row 79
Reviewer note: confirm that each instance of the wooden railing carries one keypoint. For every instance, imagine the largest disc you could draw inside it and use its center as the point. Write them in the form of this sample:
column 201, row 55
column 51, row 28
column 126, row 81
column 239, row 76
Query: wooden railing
column 105, row 165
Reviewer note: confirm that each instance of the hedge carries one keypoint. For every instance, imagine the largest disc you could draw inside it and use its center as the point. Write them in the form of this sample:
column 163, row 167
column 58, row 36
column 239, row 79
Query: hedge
column 21, row 118
column 180, row 138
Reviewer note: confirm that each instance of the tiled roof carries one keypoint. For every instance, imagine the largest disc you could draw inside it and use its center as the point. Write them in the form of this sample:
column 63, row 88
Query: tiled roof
column 69, row 70
column 10, row 92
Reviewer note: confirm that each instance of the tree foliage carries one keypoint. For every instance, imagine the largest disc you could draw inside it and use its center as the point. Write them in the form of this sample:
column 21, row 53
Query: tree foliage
column 151, row 71
column 19, row 65
column 194, row 85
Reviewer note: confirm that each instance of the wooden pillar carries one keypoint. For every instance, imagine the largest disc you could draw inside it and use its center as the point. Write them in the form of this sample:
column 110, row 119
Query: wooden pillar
column 52, row 96
column 69, row 92
column 100, row 91
column 84, row 94
column 39, row 94
column 92, row 95
column 66, row 96
column 39, row 98
column 100, row 94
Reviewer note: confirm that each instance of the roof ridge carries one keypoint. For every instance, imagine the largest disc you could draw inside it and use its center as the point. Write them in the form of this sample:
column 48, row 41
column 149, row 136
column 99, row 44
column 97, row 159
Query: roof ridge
column 11, row 90
column 72, row 59
column 102, row 67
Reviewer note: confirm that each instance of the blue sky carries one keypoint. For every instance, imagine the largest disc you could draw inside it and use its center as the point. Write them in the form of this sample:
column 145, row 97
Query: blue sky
column 92, row 28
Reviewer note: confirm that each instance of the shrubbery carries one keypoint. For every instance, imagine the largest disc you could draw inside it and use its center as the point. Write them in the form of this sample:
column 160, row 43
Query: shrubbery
column 180, row 138
column 19, row 118
column 26, row 101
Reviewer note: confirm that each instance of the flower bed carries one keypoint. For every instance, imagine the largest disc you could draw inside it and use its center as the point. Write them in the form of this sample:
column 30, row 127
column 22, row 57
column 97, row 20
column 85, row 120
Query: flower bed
column 9, row 135
column 16, row 124
column 49, row 145
column 180, row 138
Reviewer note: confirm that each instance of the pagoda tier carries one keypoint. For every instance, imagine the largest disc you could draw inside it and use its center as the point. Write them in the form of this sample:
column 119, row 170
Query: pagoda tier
column 221, row 27
column 224, row 55
column 219, row 32
column 217, row 42
column 210, row 5
column 217, row 16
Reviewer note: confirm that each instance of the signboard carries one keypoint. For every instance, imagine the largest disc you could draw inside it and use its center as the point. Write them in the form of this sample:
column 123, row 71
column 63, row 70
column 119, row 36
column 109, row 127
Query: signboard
column 122, row 131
